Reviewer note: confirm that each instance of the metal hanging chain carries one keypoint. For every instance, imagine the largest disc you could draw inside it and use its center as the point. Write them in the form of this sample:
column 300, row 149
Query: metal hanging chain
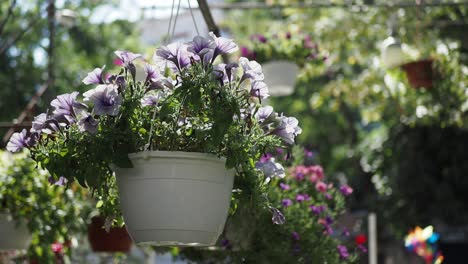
column 175, row 19
column 193, row 17
column 167, row 40
column 168, row 36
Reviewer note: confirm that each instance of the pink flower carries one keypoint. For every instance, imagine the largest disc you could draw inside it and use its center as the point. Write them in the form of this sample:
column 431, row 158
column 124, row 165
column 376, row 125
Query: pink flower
column 57, row 247
column 316, row 173
column 346, row 190
column 265, row 157
column 321, row 186
column 284, row 186
column 118, row 62
column 300, row 172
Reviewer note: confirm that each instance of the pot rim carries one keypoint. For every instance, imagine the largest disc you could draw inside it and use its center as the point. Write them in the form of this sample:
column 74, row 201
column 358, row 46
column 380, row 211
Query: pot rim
column 175, row 154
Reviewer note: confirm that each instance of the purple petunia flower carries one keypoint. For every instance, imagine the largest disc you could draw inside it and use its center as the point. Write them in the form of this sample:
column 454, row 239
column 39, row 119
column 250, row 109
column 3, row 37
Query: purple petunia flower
column 62, row 181
column 288, row 129
column 362, row 248
column 225, row 72
column 252, row 70
column 302, row 197
column 284, row 186
column 51, row 126
column 176, row 53
column 151, row 99
column 328, row 196
column 39, row 122
column 202, row 47
column 169, row 52
column 127, row 57
column 87, row 123
column 225, row 243
column 286, row 202
column 223, row 45
column 94, row 77
column 18, row 141
column 346, row 190
column 105, row 98
column 343, row 251
column 317, row 209
column 270, row 168
column 152, row 72
column 328, row 230
column 295, row 236
column 65, row 105
column 277, row 218
column 259, row 89
column 264, row 113
column 345, row 232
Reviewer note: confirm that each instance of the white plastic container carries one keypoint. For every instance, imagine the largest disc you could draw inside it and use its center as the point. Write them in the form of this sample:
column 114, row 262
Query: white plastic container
column 175, row 198
column 280, row 77
column 11, row 236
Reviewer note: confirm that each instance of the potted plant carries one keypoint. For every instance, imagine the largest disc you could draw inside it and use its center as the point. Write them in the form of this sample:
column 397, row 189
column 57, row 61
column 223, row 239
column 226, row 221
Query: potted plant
column 43, row 214
column 14, row 235
column 282, row 56
column 115, row 239
column 175, row 141
column 419, row 73
column 419, row 67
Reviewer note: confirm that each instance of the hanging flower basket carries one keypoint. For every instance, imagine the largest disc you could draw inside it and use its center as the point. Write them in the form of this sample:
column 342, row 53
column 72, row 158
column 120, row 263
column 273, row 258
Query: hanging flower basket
column 12, row 236
column 175, row 198
column 419, row 73
column 116, row 240
column 190, row 108
column 280, row 76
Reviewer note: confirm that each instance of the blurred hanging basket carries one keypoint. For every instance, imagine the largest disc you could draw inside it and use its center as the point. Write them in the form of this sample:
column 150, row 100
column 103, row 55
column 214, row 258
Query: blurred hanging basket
column 419, row 73
column 11, row 235
column 174, row 198
column 116, row 240
column 280, row 76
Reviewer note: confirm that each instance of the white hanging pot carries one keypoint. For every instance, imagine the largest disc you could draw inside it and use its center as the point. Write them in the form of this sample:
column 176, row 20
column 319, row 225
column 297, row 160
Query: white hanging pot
column 280, row 77
column 12, row 236
column 175, row 198
column 392, row 53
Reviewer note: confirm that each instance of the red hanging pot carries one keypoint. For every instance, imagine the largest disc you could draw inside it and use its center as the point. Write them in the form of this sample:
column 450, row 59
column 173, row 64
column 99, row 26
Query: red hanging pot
column 116, row 240
column 419, row 73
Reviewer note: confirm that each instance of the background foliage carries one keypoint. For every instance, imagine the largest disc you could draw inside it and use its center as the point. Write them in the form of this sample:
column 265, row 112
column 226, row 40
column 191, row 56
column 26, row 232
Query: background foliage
column 52, row 213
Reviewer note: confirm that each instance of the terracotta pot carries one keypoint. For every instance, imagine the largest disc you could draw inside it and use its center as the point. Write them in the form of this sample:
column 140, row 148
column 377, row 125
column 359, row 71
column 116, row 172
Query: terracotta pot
column 419, row 73
column 116, row 240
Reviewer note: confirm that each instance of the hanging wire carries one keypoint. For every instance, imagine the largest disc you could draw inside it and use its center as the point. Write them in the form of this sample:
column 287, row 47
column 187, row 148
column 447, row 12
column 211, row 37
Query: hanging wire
column 175, row 20
column 193, row 18
column 170, row 21
column 168, row 39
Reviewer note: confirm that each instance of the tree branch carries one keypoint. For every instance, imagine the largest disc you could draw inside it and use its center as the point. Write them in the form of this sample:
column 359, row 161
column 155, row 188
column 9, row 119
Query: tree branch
column 9, row 12
column 18, row 36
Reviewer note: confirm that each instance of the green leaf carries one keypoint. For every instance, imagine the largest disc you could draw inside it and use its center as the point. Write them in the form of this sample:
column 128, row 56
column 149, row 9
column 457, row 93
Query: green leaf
column 121, row 156
column 230, row 162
